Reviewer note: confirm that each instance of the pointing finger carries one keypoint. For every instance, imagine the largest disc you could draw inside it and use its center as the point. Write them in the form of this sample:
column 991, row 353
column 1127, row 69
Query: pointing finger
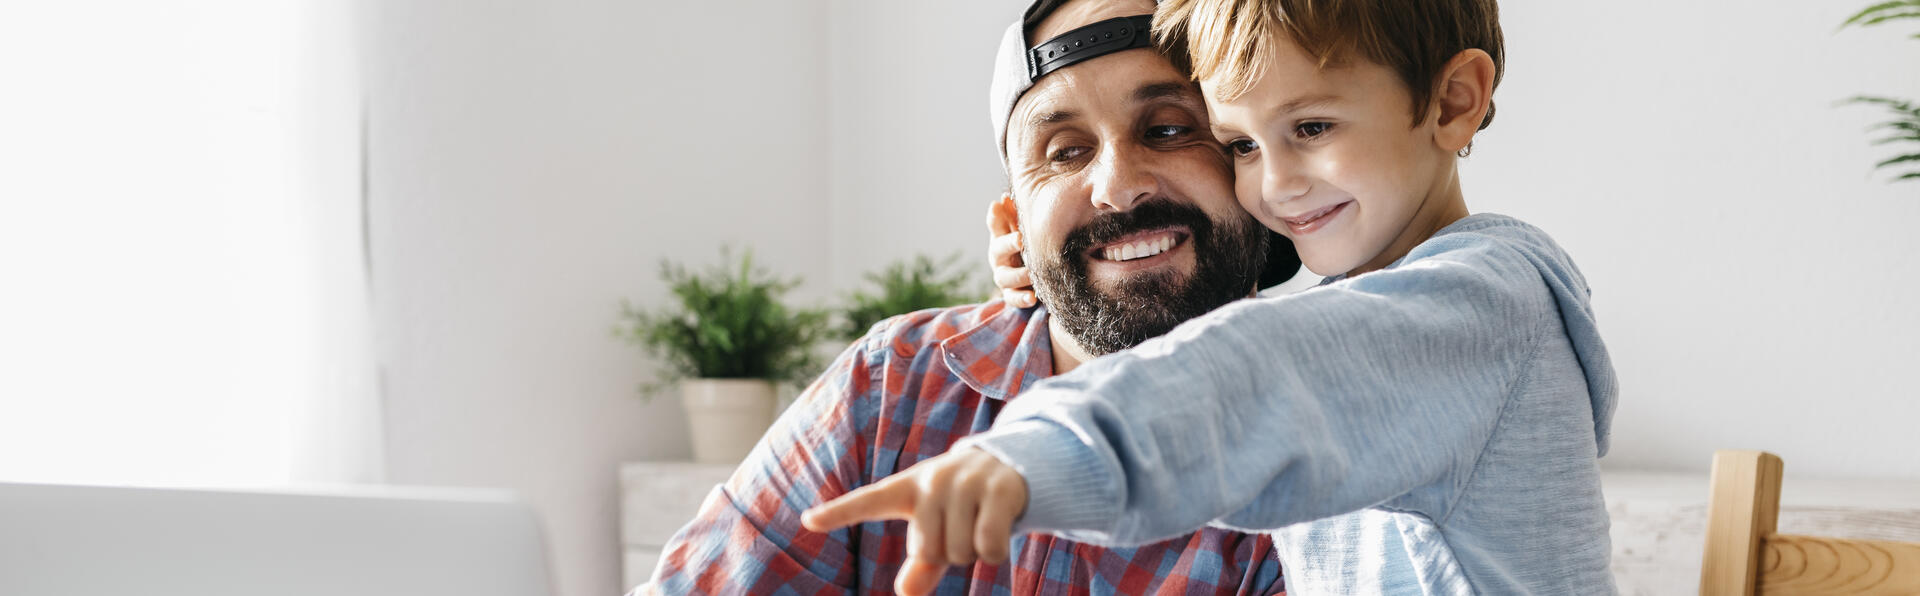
column 888, row 499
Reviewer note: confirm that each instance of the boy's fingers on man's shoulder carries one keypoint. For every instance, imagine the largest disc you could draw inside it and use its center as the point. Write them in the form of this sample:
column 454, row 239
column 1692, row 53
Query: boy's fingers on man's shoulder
column 1004, row 250
column 888, row 499
column 1001, row 215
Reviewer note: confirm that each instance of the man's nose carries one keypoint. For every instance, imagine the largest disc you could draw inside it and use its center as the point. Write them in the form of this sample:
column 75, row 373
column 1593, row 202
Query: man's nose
column 1121, row 178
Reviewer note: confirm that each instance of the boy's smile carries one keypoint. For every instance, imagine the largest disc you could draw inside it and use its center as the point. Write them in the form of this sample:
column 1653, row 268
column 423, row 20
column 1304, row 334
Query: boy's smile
column 1332, row 157
column 1314, row 220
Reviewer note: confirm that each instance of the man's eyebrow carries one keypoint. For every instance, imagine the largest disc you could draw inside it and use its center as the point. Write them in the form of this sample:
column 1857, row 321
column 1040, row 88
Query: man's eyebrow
column 1053, row 117
column 1167, row 90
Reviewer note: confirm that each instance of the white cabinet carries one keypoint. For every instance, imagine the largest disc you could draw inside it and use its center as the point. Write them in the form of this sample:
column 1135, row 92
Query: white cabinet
column 656, row 499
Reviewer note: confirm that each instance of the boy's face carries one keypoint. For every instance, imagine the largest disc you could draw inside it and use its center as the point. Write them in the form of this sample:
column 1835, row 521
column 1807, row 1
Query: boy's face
column 1327, row 158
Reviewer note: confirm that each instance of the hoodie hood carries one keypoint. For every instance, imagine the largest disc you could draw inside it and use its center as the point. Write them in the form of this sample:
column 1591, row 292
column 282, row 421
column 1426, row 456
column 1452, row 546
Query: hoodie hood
column 1576, row 307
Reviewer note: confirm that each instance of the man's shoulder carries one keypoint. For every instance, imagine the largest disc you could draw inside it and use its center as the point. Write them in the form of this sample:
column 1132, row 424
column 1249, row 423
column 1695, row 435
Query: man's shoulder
column 912, row 333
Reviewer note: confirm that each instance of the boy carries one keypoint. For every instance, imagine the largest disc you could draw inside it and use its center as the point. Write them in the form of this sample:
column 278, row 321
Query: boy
column 1429, row 420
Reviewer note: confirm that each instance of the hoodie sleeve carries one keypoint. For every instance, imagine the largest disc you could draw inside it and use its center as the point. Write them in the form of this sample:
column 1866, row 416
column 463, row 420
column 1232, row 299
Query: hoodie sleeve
column 1381, row 389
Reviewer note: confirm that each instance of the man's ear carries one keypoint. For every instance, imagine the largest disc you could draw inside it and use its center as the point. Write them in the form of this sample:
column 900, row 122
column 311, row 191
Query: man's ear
column 1462, row 97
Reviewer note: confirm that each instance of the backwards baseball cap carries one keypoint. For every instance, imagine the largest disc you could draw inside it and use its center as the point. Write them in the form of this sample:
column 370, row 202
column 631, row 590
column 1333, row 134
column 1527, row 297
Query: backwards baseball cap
column 1018, row 67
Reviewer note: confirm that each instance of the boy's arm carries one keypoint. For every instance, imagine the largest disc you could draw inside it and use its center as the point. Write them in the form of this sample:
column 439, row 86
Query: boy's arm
column 747, row 537
column 1276, row 411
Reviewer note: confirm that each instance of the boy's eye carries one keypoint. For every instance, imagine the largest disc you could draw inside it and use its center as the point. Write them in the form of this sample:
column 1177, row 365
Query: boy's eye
column 1242, row 147
column 1309, row 130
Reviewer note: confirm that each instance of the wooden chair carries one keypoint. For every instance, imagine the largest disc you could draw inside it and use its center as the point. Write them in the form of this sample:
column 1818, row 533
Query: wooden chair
column 1744, row 556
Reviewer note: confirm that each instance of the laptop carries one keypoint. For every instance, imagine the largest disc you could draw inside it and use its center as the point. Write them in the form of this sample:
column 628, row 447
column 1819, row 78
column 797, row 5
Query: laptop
column 104, row 541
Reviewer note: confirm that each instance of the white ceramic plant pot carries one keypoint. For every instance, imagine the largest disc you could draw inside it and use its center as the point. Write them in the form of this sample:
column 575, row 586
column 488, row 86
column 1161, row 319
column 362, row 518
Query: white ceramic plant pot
column 726, row 416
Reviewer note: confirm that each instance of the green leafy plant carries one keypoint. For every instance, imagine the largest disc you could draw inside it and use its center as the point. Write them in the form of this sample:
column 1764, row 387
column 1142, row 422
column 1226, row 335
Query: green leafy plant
column 1904, row 127
column 729, row 322
column 1885, row 12
column 907, row 286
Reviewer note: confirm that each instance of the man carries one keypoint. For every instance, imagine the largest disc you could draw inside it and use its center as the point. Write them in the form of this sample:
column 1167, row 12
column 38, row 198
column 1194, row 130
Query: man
column 1127, row 210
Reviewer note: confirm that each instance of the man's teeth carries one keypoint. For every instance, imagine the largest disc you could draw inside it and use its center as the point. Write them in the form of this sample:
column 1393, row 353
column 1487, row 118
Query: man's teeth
column 1138, row 250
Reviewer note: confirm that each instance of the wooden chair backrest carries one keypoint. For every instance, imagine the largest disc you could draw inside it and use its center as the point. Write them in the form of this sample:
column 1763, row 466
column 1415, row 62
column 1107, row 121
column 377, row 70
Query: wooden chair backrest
column 1744, row 556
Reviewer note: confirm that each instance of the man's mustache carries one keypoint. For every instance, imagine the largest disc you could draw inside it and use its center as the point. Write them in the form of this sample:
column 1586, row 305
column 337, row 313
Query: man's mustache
column 1153, row 214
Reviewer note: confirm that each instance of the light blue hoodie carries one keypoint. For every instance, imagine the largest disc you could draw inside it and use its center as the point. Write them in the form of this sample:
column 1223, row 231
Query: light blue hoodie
column 1432, row 427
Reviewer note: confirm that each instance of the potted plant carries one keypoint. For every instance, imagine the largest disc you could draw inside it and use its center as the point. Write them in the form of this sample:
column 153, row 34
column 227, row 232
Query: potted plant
column 907, row 286
column 1904, row 128
column 726, row 338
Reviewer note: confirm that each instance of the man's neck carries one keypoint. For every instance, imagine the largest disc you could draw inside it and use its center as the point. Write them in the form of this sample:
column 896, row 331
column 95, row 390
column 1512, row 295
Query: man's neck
column 1067, row 352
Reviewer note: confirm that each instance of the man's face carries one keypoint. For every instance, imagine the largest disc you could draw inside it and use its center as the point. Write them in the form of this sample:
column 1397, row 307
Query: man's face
column 1126, row 201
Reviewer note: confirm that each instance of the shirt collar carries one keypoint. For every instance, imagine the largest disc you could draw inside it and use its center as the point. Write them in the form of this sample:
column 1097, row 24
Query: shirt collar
column 1007, row 352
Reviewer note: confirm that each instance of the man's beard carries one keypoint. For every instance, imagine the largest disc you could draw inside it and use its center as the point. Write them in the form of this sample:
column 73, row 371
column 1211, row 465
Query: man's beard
column 1228, row 257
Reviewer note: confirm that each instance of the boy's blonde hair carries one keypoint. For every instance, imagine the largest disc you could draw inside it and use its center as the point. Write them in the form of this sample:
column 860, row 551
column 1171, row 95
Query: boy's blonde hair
column 1226, row 42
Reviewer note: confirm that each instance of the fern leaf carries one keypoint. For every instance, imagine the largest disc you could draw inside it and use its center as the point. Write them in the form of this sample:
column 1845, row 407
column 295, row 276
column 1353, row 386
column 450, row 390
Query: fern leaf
column 1915, row 157
column 1899, row 105
column 1884, row 18
column 1908, row 176
column 1875, row 10
column 1897, row 125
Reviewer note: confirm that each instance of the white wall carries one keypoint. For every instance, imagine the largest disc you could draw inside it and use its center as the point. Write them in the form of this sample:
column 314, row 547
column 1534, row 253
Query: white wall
column 914, row 165
column 1754, row 280
column 530, row 164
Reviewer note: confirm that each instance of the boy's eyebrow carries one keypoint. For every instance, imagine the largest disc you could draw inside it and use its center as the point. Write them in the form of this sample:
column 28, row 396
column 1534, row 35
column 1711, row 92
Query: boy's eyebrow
column 1309, row 101
column 1293, row 105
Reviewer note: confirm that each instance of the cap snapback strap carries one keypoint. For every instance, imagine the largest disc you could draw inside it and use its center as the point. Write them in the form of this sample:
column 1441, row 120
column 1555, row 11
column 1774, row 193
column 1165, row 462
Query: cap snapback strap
column 1089, row 42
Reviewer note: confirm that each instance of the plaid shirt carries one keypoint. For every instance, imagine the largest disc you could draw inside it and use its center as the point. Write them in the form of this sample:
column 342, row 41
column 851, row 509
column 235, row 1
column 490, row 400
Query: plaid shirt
column 906, row 392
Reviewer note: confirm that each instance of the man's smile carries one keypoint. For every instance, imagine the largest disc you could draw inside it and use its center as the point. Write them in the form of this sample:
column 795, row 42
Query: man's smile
column 1140, row 250
column 1140, row 245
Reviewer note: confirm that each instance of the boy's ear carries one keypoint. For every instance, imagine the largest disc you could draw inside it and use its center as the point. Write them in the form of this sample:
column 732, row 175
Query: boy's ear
column 1462, row 98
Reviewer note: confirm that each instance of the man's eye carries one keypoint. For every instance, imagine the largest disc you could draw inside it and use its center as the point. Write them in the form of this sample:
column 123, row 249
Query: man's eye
column 1309, row 130
column 1167, row 133
column 1066, row 154
column 1242, row 147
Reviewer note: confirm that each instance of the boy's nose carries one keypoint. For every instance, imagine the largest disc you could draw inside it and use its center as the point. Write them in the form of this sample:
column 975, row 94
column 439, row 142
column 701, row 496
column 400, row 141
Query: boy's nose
column 1120, row 179
column 1281, row 180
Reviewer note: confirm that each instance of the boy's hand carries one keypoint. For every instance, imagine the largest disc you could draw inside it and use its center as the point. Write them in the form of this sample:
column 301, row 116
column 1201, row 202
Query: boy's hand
column 1003, row 253
column 959, row 507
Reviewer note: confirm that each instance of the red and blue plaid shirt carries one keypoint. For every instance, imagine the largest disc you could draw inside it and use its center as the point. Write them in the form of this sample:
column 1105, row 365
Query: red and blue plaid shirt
column 906, row 392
